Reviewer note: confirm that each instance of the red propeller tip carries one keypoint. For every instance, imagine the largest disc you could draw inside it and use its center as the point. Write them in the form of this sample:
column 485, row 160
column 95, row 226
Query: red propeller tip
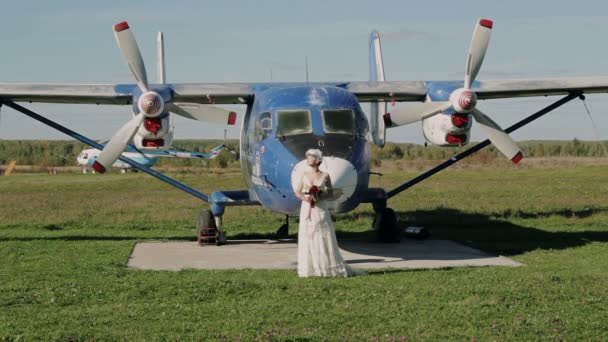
column 486, row 23
column 98, row 167
column 388, row 122
column 232, row 118
column 518, row 157
column 121, row 26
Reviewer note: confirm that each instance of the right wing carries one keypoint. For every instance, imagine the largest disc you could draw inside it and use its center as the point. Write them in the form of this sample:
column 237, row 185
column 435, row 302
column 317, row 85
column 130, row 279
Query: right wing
column 500, row 89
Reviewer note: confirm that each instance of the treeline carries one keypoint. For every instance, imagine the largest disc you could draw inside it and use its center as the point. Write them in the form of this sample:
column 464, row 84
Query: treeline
column 64, row 153
column 532, row 149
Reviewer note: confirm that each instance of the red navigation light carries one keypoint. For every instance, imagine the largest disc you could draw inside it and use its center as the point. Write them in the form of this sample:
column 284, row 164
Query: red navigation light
column 460, row 120
column 456, row 139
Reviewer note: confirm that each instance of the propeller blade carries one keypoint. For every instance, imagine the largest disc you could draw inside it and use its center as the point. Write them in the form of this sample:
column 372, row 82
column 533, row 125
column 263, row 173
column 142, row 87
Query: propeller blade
column 407, row 115
column 130, row 52
column 160, row 54
column 202, row 112
column 477, row 50
column 117, row 144
column 503, row 142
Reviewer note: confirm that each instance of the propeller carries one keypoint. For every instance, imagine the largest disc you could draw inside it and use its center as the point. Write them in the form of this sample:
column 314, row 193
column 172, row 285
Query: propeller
column 149, row 103
column 464, row 100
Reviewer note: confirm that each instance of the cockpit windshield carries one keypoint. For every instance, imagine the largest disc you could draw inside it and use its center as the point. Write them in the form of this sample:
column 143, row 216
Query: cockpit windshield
column 291, row 122
column 339, row 121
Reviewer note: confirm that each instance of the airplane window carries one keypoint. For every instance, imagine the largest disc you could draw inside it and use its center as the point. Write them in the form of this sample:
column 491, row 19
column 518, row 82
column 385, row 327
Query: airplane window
column 263, row 127
column 290, row 122
column 266, row 124
column 339, row 121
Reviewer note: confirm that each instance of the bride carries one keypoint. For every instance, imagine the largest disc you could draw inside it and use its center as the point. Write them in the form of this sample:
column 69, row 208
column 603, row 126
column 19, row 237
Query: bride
column 318, row 253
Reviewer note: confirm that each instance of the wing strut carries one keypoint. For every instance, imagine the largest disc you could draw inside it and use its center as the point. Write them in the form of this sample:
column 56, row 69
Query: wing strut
column 99, row 146
column 482, row 144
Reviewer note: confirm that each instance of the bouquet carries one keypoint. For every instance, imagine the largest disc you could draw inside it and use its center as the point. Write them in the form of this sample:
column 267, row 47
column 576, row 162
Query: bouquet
column 314, row 193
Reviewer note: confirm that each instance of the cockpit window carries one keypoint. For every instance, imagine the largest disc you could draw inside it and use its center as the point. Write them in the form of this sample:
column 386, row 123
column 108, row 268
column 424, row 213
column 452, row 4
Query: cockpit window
column 339, row 121
column 290, row 122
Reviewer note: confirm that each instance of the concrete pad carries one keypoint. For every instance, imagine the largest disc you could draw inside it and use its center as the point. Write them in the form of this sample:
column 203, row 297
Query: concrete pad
column 271, row 254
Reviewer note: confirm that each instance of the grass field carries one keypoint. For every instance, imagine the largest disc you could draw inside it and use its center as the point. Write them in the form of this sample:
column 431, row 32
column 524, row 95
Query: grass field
column 65, row 241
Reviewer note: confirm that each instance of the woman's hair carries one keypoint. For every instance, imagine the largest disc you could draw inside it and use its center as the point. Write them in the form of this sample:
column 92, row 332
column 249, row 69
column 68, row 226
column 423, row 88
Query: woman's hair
column 317, row 154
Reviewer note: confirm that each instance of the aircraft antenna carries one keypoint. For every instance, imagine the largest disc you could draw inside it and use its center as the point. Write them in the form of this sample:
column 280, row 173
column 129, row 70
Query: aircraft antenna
column 306, row 62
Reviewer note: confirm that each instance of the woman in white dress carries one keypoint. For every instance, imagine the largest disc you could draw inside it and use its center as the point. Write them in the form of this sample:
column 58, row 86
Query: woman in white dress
column 318, row 253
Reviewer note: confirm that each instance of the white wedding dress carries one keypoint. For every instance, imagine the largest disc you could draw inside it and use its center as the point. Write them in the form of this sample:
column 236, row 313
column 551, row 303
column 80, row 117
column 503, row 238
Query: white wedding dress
column 318, row 252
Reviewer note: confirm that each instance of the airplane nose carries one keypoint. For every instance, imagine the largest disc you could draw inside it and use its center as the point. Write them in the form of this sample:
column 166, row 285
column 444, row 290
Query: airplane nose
column 342, row 173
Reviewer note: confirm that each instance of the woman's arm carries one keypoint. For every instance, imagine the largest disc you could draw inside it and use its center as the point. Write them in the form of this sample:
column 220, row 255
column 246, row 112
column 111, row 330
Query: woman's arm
column 299, row 189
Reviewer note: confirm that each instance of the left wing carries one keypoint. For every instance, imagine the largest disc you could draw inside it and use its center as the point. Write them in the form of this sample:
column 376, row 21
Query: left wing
column 67, row 93
column 122, row 94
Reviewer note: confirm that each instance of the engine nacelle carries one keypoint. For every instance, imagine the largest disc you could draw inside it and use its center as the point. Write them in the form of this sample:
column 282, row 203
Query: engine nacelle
column 155, row 133
column 447, row 130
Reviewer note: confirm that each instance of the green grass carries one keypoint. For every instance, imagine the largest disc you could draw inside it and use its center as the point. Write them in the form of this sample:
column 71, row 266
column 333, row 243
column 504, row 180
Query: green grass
column 65, row 241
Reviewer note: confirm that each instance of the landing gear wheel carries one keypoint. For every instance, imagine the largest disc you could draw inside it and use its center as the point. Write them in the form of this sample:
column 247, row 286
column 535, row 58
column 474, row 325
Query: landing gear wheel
column 221, row 238
column 283, row 231
column 205, row 219
column 386, row 226
column 207, row 230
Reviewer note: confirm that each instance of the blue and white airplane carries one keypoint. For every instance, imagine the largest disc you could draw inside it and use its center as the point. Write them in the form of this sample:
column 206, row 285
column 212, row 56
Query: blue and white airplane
column 89, row 156
column 283, row 120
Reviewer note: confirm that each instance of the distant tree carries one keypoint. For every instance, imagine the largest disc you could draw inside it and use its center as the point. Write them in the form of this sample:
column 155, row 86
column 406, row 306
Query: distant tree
column 539, row 151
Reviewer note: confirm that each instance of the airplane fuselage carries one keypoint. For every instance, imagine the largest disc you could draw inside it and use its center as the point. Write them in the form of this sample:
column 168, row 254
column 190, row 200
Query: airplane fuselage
column 283, row 123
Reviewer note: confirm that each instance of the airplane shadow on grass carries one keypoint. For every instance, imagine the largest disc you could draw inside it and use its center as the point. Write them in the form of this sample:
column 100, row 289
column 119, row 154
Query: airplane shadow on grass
column 494, row 233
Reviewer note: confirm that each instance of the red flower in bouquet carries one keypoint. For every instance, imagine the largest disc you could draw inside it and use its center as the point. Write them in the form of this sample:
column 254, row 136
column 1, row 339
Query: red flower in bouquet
column 314, row 193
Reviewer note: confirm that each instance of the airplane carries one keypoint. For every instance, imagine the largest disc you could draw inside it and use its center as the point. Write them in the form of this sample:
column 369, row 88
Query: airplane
column 283, row 120
column 87, row 157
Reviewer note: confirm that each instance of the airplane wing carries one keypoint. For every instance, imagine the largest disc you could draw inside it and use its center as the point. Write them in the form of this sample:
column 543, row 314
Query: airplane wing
column 121, row 94
column 492, row 89
column 202, row 93
column 241, row 93
column 67, row 93
column 498, row 89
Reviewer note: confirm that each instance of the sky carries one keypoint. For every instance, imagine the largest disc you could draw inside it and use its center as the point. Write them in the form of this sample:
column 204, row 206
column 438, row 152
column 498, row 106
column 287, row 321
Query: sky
column 68, row 41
